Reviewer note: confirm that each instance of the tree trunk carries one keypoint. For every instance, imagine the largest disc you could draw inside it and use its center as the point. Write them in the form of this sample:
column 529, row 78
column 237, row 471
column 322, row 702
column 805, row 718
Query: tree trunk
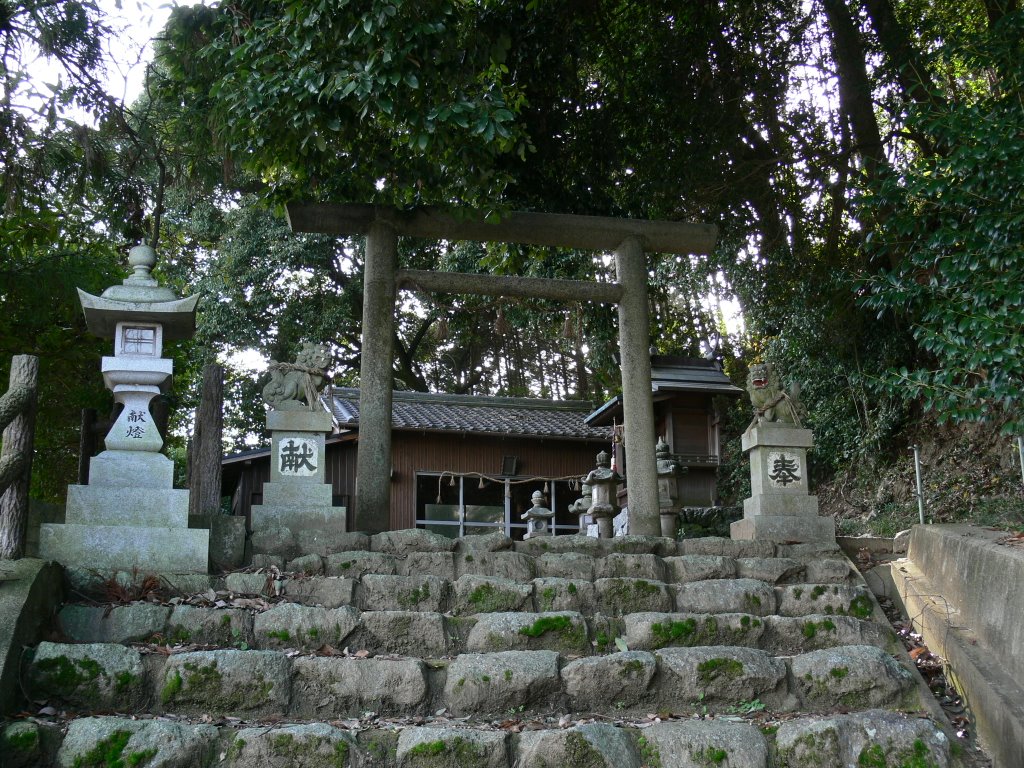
column 86, row 444
column 855, row 99
column 205, row 465
column 17, row 441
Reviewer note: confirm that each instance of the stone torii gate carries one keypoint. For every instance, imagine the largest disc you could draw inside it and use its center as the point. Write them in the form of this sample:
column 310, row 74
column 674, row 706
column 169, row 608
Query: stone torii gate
column 628, row 239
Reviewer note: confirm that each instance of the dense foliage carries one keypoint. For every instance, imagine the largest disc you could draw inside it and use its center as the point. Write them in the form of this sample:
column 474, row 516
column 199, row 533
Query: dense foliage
column 860, row 157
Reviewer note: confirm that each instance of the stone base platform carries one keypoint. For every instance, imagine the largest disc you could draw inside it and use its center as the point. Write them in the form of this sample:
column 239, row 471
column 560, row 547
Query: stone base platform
column 110, row 547
column 784, row 528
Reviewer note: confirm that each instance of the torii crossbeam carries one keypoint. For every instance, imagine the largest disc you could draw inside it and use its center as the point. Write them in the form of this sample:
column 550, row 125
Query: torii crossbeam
column 628, row 239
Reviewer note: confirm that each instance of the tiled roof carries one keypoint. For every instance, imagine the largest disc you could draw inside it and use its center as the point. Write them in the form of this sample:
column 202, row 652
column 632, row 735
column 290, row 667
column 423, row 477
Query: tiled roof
column 477, row 414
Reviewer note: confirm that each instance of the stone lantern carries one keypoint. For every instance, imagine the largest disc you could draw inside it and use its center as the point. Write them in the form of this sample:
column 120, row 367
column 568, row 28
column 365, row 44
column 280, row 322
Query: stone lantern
column 537, row 518
column 581, row 507
column 668, row 489
column 130, row 515
column 603, row 481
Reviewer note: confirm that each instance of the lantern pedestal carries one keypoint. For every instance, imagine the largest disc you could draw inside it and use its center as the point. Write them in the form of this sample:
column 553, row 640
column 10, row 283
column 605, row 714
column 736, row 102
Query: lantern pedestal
column 780, row 508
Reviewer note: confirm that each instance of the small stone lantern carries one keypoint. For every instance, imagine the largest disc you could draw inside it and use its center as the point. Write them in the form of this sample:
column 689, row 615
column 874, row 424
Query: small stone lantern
column 537, row 518
column 603, row 481
column 668, row 489
column 581, row 507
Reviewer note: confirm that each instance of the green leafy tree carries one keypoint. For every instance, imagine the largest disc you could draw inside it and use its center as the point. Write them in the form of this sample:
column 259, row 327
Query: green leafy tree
column 956, row 222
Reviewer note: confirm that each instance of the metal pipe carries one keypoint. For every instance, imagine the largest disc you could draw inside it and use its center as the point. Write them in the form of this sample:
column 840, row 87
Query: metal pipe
column 920, row 491
column 1020, row 451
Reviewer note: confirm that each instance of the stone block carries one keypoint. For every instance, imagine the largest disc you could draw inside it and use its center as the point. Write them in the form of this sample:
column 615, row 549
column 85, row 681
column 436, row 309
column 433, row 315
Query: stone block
column 651, row 631
column 336, row 685
column 773, row 570
column 715, row 545
column 795, row 634
column 261, row 560
column 828, row 570
column 720, row 676
column 324, row 519
column 226, row 682
column 783, row 528
column 408, row 633
column 617, row 597
column 91, row 505
column 726, row 596
column 329, row 543
column 303, row 744
column 108, row 548
column 571, row 565
column 781, row 505
column 661, row 546
column 503, row 565
column 288, row 625
column 249, row 584
column 277, row 540
column 150, row 742
column 700, row 743
column 494, row 683
column 862, row 738
column 88, row 676
column 483, row 542
column 830, row 599
column 227, row 542
column 22, row 743
column 209, row 626
column 770, row 434
column 683, row 568
column 439, row 564
column 853, row 677
column 559, row 545
column 356, row 564
column 553, row 594
column 630, row 566
column 297, row 455
column 622, row 680
column 565, row 632
column 132, row 469
column 403, row 593
column 482, row 594
column 310, row 565
column 596, row 745
column 434, row 747
column 132, row 623
column 326, row 591
column 185, row 584
column 407, row 540
column 299, row 421
column 294, row 497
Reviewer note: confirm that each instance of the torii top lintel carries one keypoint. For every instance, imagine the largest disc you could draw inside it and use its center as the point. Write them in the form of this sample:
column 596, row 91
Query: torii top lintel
column 597, row 233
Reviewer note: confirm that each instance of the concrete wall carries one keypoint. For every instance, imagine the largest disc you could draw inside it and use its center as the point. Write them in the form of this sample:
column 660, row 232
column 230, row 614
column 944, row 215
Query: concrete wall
column 964, row 593
column 983, row 580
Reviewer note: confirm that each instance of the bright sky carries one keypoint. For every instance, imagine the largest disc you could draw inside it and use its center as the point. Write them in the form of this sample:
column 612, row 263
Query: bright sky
column 135, row 23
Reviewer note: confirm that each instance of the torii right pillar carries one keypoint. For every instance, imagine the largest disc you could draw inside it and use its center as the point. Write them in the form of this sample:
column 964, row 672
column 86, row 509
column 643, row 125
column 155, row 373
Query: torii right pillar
column 780, row 507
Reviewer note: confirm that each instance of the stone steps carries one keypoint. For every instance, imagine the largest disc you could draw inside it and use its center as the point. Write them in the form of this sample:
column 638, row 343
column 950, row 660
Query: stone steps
column 439, row 640
column 97, row 676
column 870, row 738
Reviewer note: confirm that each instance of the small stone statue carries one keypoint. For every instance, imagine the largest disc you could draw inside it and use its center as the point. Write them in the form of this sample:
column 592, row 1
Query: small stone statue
column 581, row 507
column 291, row 383
column 772, row 403
column 537, row 517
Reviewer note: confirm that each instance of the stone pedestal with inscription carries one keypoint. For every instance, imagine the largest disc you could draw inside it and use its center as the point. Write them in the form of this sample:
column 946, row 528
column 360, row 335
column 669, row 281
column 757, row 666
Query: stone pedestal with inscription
column 130, row 515
column 296, row 515
column 780, row 507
